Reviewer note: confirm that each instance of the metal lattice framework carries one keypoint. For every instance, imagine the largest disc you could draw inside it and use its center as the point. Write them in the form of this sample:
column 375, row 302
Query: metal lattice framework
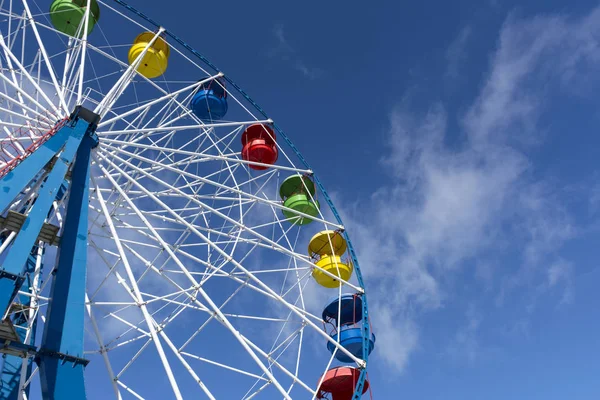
column 139, row 249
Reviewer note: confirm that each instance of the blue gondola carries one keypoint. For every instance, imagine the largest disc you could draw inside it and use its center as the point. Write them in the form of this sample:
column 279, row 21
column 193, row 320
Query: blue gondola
column 350, row 339
column 351, row 310
column 210, row 102
column 346, row 312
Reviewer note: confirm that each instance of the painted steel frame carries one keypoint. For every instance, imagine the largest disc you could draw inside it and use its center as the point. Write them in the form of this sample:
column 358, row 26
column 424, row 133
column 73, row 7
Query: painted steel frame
column 367, row 325
column 60, row 357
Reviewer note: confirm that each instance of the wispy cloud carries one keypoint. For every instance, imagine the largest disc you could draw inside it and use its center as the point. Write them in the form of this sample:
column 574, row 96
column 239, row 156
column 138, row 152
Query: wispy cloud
column 465, row 343
column 562, row 272
column 284, row 51
column 449, row 209
column 401, row 331
column 456, row 53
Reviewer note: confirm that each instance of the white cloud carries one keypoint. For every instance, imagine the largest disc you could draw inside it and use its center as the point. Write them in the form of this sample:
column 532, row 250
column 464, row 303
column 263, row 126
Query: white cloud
column 530, row 53
column 455, row 207
column 559, row 271
column 285, row 52
column 402, row 332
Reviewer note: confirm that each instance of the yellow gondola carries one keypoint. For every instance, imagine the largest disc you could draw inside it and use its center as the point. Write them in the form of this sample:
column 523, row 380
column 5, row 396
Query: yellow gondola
column 335, row 266
column 328, row 247
column 155, row 61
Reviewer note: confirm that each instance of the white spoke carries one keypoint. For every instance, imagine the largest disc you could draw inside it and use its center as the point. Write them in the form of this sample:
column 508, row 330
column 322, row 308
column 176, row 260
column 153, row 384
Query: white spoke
column 222, row 318
column 252, row 277
column 156, row 101
column 119, row 88
column 204, row 157
column 23, row 71
column 86, row 19
column 103, row 351
column 221, row 186
column 140, row 301
column 46, row 59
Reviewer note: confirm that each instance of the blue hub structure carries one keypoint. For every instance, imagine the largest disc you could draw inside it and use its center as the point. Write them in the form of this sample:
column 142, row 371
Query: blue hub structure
column 64, row 149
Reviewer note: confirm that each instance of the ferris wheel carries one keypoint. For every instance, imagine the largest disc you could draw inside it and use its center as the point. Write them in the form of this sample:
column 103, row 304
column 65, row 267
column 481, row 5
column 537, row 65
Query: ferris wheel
column 160, row 236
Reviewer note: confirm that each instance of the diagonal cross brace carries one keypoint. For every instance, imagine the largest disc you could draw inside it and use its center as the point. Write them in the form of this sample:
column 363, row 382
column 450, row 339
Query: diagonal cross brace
column 19, row 178
column 12, row 267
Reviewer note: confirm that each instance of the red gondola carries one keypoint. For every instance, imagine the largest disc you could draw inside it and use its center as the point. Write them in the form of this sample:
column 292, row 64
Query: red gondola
column 340, row 383
column 259, row 146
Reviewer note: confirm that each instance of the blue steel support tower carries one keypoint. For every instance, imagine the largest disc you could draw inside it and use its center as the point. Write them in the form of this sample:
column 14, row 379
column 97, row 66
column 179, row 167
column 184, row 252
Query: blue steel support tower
column 60, row 162
column 11, row 366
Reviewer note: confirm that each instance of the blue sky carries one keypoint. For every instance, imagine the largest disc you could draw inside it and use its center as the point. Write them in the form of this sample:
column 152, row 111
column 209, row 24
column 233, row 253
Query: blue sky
column 459, row 139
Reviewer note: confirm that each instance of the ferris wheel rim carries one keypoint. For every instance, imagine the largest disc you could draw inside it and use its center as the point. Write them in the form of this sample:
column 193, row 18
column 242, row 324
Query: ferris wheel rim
column 279, row 130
